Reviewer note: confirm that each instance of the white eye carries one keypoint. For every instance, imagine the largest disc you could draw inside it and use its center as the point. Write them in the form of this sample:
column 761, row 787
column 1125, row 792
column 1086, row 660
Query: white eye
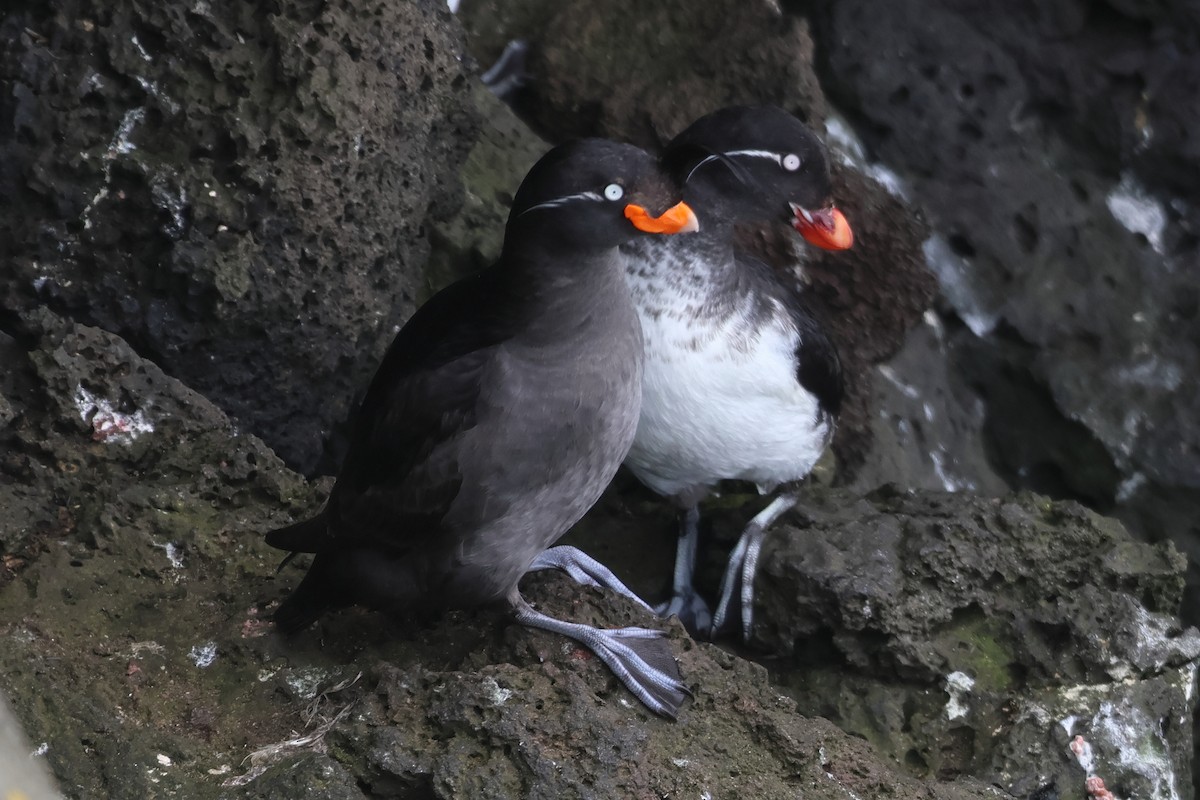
column 614, row 192
column 791, row 162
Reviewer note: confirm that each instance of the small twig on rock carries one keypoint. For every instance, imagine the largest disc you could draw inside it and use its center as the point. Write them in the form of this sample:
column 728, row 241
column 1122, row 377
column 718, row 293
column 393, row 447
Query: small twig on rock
column 262, row 758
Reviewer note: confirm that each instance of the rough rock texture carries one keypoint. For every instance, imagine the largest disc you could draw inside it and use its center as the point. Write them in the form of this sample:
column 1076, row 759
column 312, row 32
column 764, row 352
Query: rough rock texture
column 116, row 481
column 470, row 239
column 653, row 68
column 198, row 181
column 134, row 641
column 927, row 429
column 134, row 586
column 978, row 637
column 1047, row 144
column 643, row 71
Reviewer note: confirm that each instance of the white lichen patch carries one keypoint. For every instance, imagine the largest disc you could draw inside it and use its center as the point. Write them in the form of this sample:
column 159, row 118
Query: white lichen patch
column 906, row 389
column 203, row 655
column 174, row 554
column 1130, row 486
column 305, row 682
column 151, row 88
column 141, row 50
column 1139, row 744
column 849, row 149
column 958, row 686
column 1157, row 642
column 680, row 762
column 164, row 759
column 496, row 693
column 949, row 482
column 952, row 272
column 1138, row 212
column 108, row 424
column 174, row 201
column 121, row 144
column 40, row 750
column 1152, row 373
column 1123, row 741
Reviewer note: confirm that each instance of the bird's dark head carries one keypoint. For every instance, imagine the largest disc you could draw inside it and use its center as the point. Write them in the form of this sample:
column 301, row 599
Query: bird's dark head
column 593, row 194
column 758, row 163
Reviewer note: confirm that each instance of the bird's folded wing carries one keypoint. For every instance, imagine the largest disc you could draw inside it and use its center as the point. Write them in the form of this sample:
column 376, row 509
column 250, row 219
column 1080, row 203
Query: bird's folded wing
column 402, row 471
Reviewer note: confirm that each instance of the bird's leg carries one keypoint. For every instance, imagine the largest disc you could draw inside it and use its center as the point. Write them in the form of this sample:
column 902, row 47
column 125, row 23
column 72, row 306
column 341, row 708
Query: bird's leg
column 585, row 570
column 743, row 563
column 639, row 657
column 685, row 603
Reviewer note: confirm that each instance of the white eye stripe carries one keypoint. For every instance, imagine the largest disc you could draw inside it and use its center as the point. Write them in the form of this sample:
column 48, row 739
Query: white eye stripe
column 558, row 201
column 785, row 161
column 776, row 157
column 703, row 161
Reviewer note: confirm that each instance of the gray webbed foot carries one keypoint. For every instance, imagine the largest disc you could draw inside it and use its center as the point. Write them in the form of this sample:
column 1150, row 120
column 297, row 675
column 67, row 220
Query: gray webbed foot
column 737, row 584
column 585, row 570
column 639, row 657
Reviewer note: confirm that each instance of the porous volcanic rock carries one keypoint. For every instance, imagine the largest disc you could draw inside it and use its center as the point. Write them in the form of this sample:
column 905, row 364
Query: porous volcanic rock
column 242, row 194
column 1045, row 141
column 970, row 636
column 135, row 641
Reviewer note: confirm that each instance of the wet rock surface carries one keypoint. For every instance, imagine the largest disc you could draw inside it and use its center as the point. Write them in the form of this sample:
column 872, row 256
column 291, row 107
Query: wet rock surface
column 642, row 71
column 191, row 179
column 980, row 636
column 136, row 644
column 963, row 642
column 1042, row 140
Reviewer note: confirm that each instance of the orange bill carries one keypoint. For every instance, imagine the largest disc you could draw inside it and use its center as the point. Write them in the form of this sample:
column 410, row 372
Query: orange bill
column 679, row 218
column 826, row 228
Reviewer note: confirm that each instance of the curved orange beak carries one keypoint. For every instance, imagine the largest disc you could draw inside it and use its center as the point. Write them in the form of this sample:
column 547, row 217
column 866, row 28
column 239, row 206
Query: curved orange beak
column 826, row 228
column 679, row 218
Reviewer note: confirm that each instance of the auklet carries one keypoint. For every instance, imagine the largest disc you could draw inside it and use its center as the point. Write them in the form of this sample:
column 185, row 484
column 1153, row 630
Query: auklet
column 741, row 381
column 500, row 413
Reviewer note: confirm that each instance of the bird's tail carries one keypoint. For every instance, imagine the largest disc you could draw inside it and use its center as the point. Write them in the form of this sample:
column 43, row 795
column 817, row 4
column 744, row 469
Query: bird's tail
column 317, row 593
column 309, row 536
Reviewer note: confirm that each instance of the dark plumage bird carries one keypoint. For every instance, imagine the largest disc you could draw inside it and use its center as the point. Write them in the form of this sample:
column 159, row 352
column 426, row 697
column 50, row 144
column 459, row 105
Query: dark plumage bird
column 498, row 416
column 741, row 381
